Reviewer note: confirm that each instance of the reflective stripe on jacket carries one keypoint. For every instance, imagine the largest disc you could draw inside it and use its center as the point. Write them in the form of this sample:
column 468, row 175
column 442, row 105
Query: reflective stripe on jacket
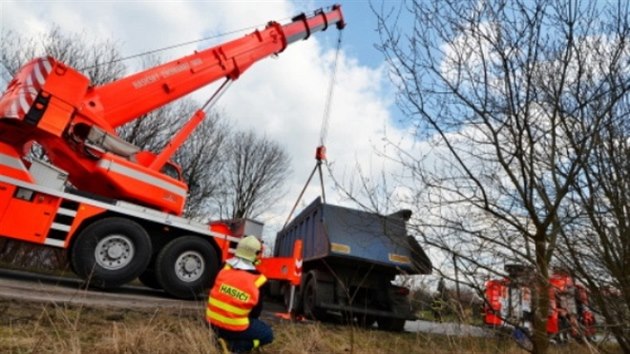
column 234, row 294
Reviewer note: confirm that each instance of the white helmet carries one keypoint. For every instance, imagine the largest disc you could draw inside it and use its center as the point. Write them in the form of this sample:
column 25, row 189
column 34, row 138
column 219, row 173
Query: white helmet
column 248, row 248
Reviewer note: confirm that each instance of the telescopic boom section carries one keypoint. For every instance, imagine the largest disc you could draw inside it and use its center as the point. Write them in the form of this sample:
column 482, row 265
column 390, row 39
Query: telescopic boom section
column 127, row 99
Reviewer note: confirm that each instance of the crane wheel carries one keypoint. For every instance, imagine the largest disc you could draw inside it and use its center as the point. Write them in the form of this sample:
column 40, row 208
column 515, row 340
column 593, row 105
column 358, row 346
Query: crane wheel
column 111, row 252
column 186, row 267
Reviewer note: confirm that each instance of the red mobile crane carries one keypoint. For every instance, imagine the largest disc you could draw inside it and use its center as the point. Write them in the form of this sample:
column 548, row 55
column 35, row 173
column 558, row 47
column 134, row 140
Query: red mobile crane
column 115, row 208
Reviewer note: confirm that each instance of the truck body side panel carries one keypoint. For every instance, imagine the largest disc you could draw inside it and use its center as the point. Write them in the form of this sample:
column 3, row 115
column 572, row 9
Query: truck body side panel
column 366, row 237
column 28, row 215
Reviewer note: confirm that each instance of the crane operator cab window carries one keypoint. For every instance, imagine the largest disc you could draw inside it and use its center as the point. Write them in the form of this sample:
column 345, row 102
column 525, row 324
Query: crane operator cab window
column 172, row 170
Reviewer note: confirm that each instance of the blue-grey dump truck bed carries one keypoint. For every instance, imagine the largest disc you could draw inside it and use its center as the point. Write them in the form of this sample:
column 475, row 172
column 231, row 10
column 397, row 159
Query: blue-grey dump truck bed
column 330, row 231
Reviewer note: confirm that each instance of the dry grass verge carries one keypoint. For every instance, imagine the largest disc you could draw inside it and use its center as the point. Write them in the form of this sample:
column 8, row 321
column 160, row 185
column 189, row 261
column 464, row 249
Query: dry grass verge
column 27, row 327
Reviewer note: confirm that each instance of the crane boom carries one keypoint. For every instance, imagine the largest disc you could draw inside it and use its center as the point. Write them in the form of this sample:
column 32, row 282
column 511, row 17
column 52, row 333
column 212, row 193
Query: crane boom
column 155, row 87
column 56, row 106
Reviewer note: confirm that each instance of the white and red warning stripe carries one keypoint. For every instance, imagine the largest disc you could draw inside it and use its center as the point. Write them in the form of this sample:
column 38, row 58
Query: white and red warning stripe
column 31, row 79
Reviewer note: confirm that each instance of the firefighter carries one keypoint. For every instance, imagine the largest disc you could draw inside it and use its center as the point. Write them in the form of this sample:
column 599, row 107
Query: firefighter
column 437, row 306
column 564, row 325
column 235, row 301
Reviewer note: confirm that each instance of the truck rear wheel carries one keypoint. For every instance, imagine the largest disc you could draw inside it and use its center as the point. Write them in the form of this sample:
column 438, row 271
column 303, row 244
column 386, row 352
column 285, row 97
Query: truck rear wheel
column 309, row 301
column 186, row 266
column 111, row 252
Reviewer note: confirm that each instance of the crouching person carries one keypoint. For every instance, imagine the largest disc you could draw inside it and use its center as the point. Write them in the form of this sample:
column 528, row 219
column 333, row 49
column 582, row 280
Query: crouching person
column 235, row 301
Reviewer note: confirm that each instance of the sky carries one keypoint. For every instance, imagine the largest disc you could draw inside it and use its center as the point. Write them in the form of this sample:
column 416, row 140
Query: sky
column 282, row 98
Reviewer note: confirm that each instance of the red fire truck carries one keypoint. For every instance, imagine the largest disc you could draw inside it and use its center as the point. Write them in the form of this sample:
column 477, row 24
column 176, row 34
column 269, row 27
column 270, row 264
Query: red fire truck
column 509, row 304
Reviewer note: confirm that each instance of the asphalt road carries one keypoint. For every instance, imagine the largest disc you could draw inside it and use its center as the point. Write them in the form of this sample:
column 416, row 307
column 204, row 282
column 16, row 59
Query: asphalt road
column 15, row 284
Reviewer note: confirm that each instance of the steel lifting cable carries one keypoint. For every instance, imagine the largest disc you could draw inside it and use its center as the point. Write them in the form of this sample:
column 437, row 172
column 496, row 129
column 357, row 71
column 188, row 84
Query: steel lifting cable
column 178, row 45
column 320, row 154
column 323, row 132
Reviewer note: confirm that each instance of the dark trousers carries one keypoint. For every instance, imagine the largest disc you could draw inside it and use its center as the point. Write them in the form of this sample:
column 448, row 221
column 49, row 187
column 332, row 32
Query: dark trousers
column 258, row 331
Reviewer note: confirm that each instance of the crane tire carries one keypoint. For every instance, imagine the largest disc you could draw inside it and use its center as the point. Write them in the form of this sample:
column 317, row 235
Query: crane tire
column 186, row 267
column 110, row 252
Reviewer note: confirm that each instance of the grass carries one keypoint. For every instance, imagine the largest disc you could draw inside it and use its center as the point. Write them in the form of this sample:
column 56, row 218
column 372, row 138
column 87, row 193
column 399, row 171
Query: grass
column 27, row 327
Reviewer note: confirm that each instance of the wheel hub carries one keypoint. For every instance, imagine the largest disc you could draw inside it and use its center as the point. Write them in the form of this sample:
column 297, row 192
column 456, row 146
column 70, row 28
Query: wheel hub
column 190, row 266
column 114, row 252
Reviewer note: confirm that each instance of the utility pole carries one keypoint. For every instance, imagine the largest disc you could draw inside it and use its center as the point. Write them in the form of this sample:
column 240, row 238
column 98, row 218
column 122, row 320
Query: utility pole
column 456, row 277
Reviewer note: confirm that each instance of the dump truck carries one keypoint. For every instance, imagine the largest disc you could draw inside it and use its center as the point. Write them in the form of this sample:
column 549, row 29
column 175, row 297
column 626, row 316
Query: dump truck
column 116, row 209
column 350, row 261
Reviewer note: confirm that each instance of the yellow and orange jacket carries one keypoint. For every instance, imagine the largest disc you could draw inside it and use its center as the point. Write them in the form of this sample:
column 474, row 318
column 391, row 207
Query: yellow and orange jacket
column 234, row 294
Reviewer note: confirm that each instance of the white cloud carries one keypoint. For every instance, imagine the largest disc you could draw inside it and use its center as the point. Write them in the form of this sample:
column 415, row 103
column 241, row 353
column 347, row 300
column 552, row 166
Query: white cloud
column 283, row 98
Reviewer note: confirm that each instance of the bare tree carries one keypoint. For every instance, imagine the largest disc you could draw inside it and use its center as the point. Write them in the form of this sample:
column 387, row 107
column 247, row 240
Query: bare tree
column 98, row 60
column 204, row 158
column 507, row 97
column 597, row 246
column 255, row 172
column 15, row 51
column 153, row 130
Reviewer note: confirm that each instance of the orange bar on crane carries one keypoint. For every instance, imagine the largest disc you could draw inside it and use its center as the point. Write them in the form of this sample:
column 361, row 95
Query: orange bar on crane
column 124, row 100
